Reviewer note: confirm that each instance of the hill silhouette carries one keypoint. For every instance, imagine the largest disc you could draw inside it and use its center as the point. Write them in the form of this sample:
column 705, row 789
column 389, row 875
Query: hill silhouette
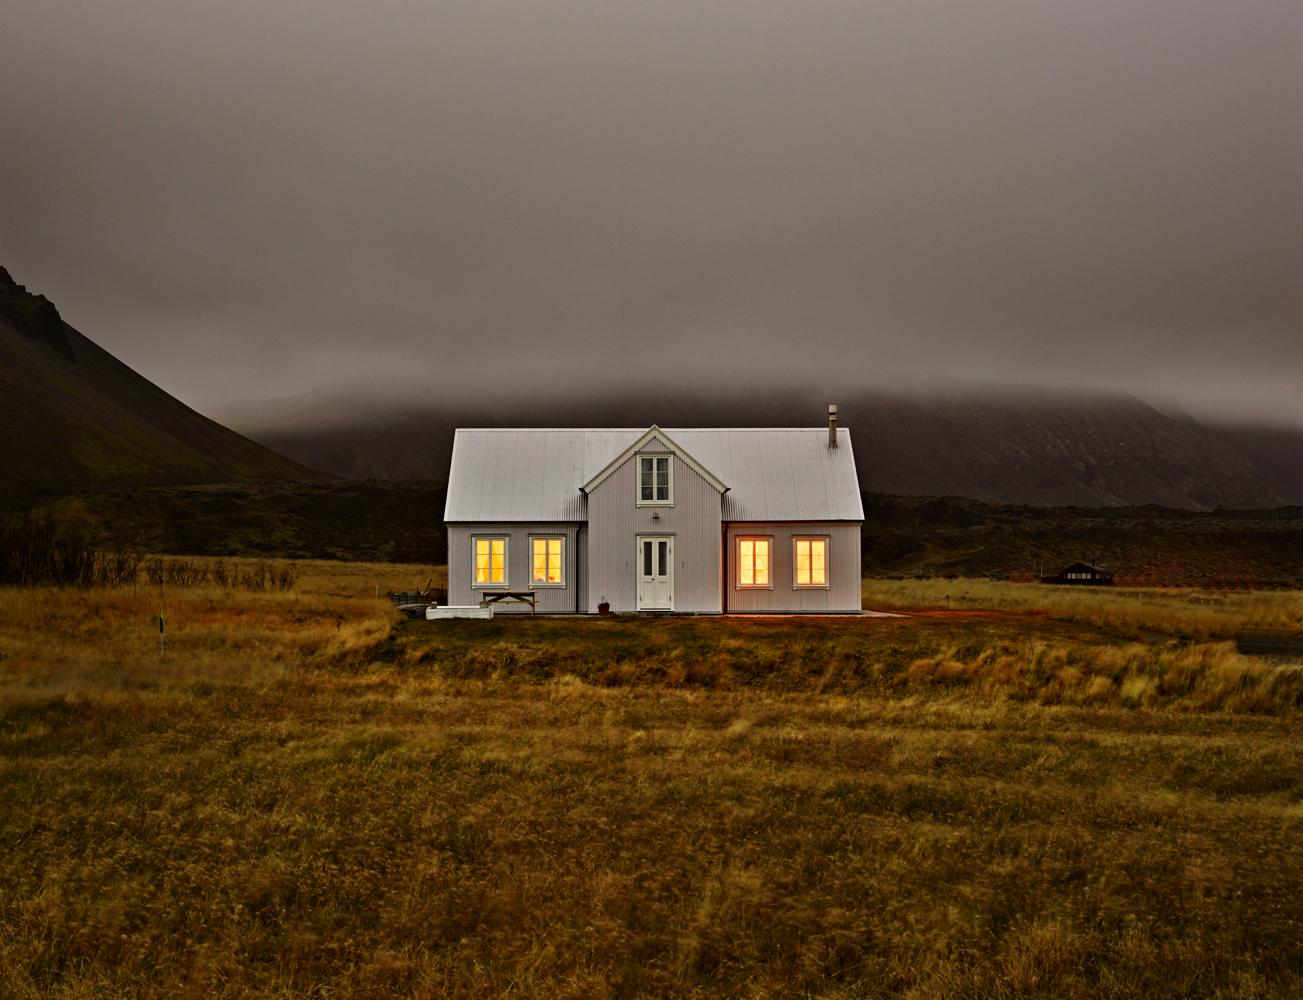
column 73, row 417
column 1038, row 447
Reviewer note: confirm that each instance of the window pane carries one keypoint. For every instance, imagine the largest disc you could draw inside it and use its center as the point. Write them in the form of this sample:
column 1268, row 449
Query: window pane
column 662, row 549
column 753, row 562
column 819, row 561
column 646, row 558
column 546, row 562
column 539, row 571
column 762, row 561
column 490, row 560
column 499, row 546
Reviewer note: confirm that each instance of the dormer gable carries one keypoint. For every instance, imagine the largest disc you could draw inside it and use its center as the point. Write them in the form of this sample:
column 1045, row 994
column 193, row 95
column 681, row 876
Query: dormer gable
column 654, row 436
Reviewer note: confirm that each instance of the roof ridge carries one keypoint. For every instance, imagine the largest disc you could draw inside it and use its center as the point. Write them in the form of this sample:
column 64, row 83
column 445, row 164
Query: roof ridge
column 643, row 430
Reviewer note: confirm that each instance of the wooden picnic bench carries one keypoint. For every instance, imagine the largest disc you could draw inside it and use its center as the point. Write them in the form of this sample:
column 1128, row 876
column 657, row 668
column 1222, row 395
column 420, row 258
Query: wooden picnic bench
column 529, row 597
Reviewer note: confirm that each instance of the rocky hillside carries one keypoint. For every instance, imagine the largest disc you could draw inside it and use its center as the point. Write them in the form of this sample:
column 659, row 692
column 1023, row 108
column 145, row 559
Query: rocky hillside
column 73, row 417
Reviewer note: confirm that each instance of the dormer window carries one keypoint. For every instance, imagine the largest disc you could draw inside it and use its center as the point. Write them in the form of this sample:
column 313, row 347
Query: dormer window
column 654, row 481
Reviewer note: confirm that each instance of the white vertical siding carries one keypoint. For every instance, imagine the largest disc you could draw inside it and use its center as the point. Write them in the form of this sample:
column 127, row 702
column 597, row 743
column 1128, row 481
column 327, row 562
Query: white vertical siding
column 843, row 593
column 461, row 590
column 615, row 520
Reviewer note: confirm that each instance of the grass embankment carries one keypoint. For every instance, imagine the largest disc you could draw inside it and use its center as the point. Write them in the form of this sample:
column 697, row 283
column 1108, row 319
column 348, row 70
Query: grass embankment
column 306, row 797
column 1172, row 612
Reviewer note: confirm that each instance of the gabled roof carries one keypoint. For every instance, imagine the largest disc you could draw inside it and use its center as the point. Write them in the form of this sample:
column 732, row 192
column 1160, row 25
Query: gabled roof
column 537, row 474
column 654, row 433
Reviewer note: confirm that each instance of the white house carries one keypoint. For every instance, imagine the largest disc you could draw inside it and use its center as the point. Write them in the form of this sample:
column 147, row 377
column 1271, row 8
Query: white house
column 693, row 520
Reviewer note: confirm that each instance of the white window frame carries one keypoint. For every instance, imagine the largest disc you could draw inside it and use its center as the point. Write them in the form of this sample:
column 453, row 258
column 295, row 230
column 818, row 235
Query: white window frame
column 506, row 562
column 533, row 584
column 669, row 478
column 827, row 562
column 737, row 562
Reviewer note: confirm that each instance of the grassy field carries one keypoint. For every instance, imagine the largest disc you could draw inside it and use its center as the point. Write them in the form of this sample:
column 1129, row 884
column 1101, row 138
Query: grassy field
column 1015, row 791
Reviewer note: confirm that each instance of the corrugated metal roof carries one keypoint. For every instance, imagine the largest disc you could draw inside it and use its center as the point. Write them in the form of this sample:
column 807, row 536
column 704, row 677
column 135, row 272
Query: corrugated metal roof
column 534, row 474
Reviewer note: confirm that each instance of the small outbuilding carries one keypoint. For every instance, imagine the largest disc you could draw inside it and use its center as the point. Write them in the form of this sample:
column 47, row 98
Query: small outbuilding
column 1084, row 574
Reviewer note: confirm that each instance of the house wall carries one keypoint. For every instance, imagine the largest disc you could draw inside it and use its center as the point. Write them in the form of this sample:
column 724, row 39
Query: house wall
column 843, row 593
column 615, row 520
column 461, row 590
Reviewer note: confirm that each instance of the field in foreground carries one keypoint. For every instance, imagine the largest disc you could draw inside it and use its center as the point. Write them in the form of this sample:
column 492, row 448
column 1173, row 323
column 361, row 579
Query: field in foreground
column 308, row 797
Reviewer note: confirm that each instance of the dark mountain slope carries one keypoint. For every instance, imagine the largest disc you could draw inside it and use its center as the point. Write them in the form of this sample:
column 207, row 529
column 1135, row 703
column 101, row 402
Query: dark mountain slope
column 1081, row 450
column 73, row 417
column 1278, row 451
column 1046, row 448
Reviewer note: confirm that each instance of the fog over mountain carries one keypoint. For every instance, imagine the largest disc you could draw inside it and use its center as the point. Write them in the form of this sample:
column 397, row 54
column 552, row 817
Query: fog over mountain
column 998, row 444
column 251, row 201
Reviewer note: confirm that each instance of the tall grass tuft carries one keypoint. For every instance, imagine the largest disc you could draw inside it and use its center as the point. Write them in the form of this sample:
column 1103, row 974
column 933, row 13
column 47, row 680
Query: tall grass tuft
column 37, row 551
column 257, row 578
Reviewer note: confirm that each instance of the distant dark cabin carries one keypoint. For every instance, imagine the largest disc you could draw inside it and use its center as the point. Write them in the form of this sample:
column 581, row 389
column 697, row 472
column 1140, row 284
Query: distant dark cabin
column 1083, row 574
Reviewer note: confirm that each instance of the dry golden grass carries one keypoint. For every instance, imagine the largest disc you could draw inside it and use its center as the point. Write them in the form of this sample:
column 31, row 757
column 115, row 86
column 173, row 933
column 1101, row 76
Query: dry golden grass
column 1174, row 611
column 307, row 796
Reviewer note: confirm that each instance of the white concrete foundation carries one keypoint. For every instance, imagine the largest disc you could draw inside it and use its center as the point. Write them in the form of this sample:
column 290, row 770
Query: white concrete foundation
column 468, row 611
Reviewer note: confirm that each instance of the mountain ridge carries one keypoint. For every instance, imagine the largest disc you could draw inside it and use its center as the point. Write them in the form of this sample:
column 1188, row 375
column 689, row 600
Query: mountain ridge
column 72, row 416
column 1046, row 447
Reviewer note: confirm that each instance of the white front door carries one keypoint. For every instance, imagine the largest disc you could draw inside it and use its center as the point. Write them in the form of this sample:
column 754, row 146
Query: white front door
column 655, row 573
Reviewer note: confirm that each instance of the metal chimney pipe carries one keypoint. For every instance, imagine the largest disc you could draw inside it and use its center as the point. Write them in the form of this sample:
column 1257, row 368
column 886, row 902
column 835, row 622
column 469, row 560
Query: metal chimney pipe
column 832, row 425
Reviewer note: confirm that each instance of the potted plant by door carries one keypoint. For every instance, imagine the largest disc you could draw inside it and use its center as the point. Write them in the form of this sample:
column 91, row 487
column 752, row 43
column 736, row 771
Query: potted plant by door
column 604, row 608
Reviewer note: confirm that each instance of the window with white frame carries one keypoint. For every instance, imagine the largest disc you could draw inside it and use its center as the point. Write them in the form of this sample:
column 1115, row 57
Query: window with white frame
column 654, row 480
column 811, row 562
column 547, row 563
column 753, row 562
column 490, row 561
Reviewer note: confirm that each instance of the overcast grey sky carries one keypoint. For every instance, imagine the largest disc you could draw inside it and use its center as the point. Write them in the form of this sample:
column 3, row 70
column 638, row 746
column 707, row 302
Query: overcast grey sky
column 253, row 199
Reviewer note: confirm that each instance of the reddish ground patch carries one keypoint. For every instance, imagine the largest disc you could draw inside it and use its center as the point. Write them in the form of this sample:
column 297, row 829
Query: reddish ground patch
column 991, row 614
